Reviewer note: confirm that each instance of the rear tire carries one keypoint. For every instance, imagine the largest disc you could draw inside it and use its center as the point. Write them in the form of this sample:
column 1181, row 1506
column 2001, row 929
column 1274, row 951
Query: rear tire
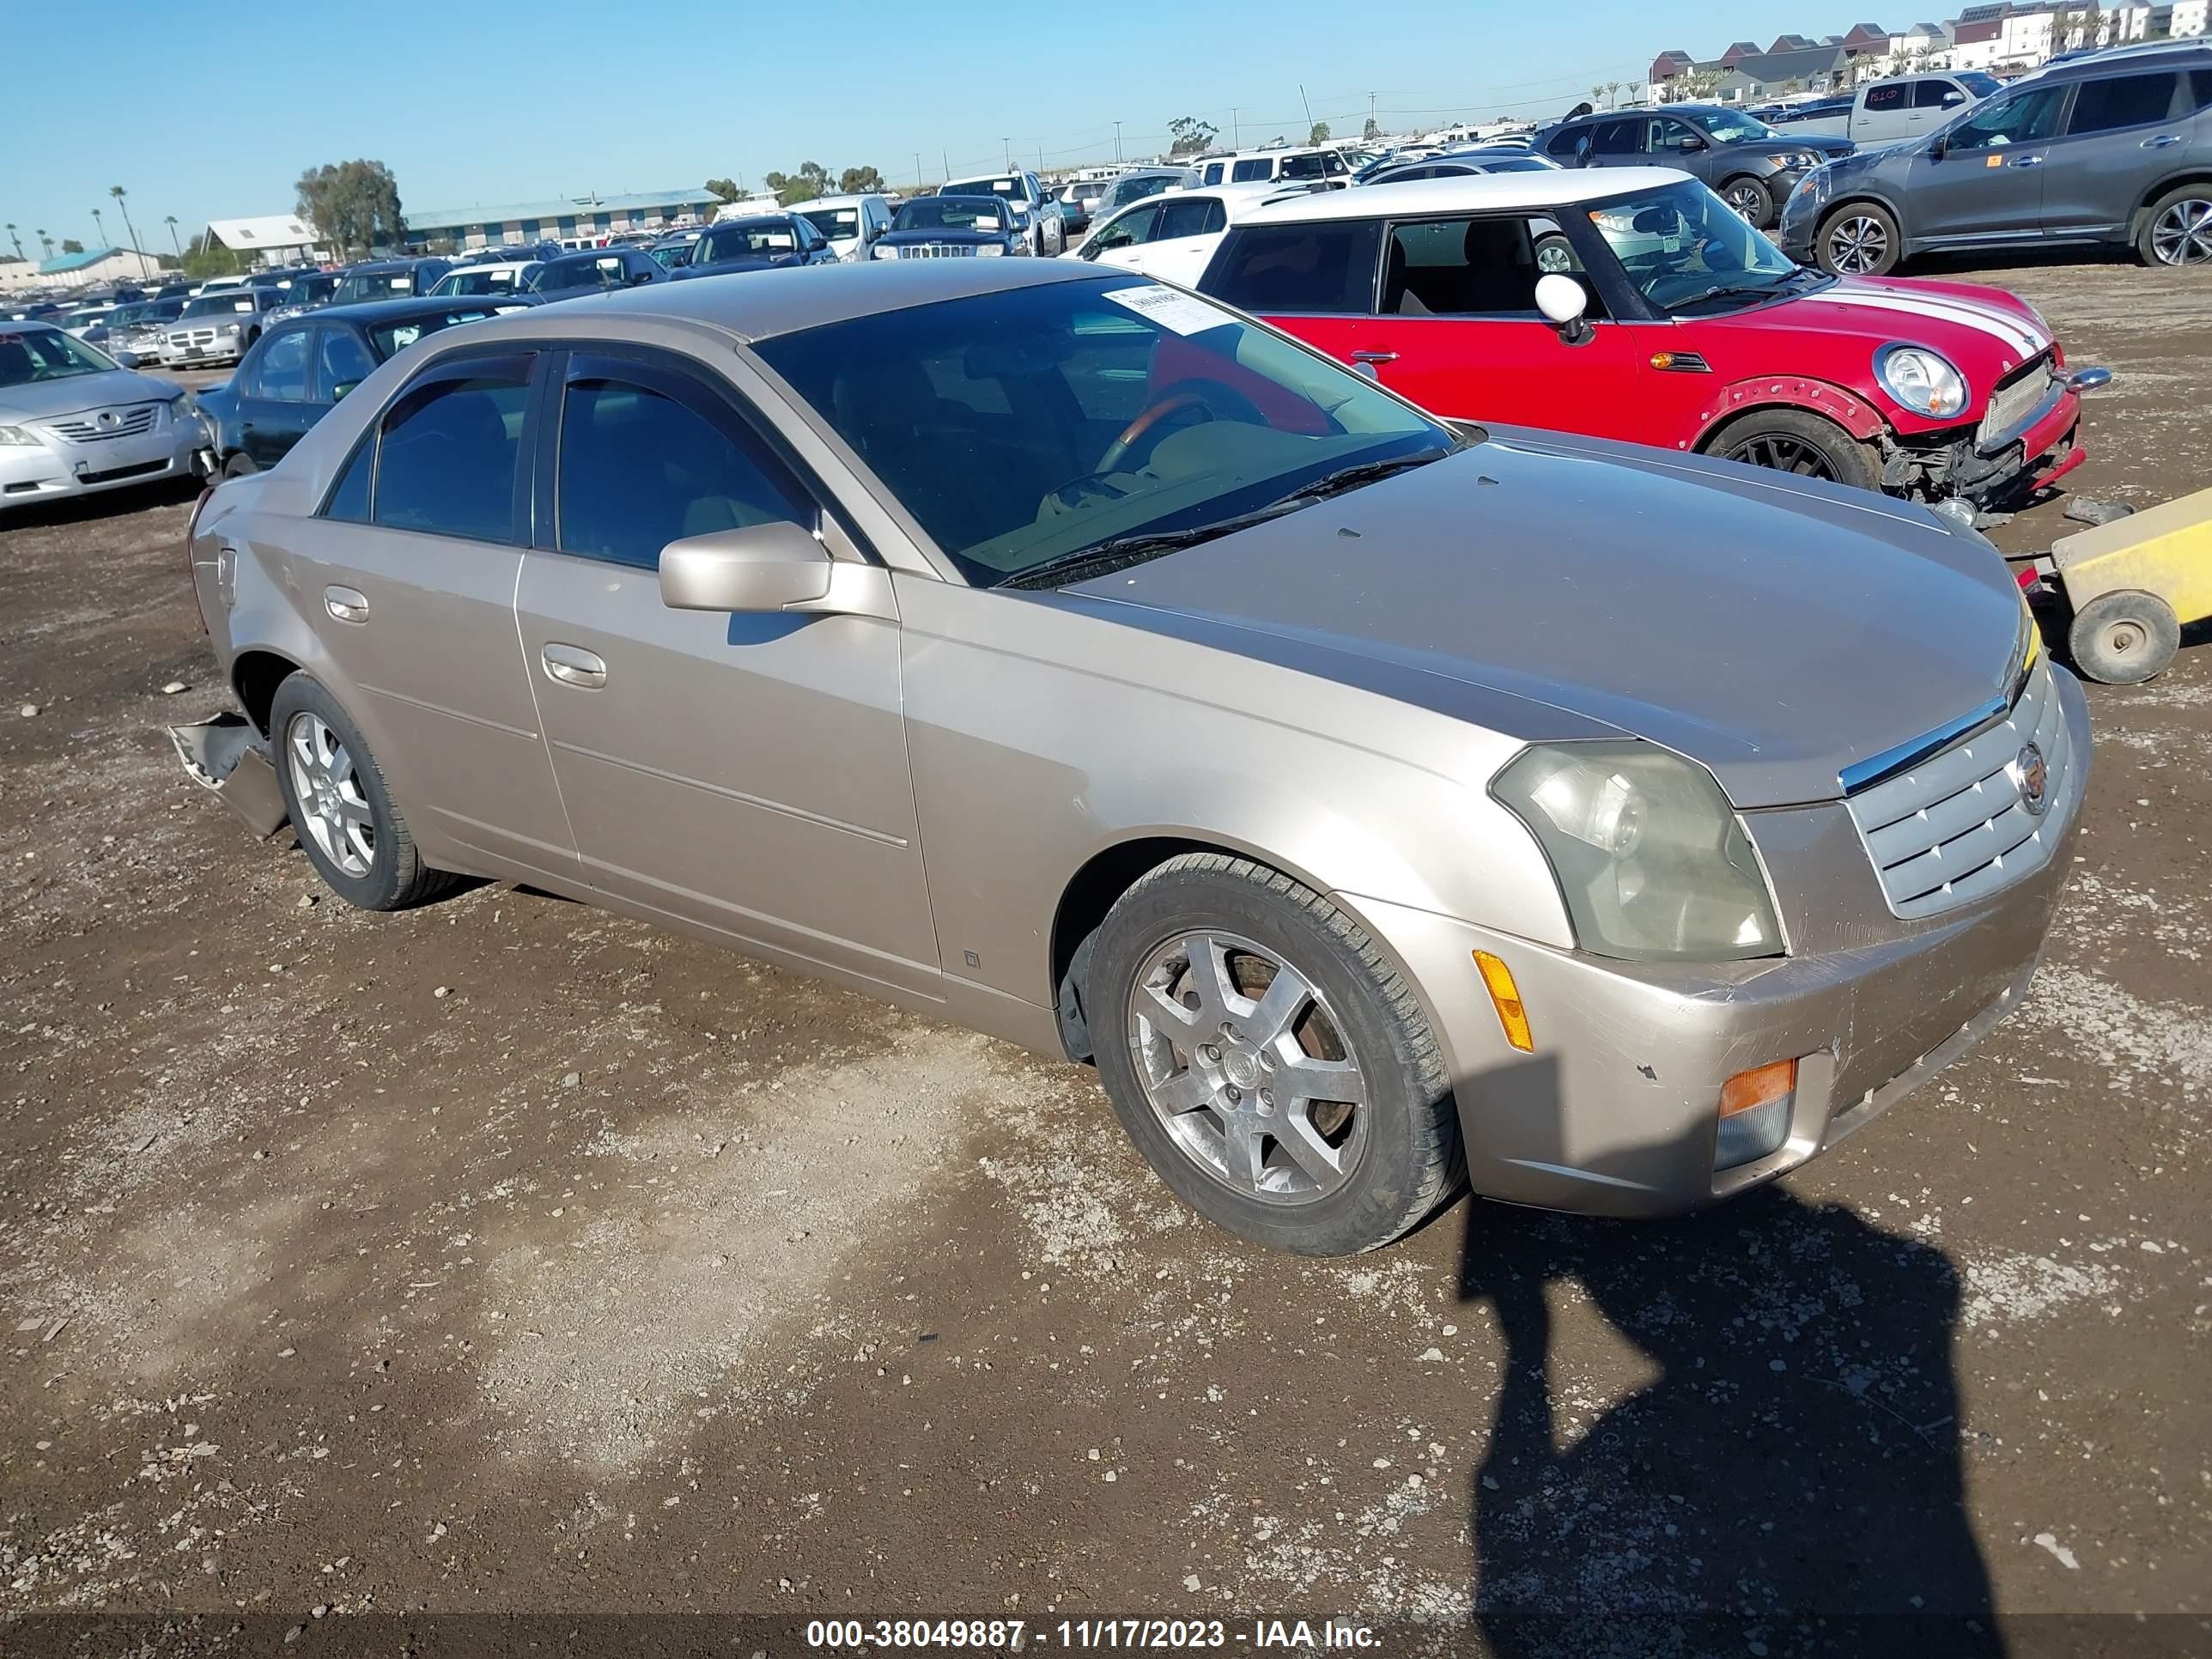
column 1859, row 239
column 341, row 808
column 2124, row 638
column 1751, row 199
column 1804, row 444
column 240, row 466
column 2177, row 229
column 1197, row 1067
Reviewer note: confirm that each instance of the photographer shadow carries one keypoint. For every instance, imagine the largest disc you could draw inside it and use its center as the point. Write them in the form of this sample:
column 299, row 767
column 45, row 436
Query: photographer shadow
column 1791, row 1477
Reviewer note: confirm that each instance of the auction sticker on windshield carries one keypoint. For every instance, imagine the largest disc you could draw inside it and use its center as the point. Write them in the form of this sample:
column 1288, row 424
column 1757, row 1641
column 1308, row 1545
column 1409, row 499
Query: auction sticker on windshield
column 1178, row 313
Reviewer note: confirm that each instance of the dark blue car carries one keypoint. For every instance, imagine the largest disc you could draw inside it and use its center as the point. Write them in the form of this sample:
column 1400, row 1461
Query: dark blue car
column 762, row 241
column 596, row 270
column 952, row 227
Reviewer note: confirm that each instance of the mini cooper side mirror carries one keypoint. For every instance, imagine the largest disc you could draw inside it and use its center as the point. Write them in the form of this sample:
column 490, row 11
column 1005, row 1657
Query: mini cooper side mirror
column 765, row 567
column 1563, row 300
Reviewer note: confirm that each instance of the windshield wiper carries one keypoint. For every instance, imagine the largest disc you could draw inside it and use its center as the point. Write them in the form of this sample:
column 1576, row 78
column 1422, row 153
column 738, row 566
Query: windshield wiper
column 1119, row 552
column 1758, row 291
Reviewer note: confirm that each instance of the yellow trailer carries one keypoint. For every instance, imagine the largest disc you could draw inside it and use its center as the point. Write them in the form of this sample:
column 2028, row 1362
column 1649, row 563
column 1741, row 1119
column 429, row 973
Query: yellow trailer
column 2130, row 584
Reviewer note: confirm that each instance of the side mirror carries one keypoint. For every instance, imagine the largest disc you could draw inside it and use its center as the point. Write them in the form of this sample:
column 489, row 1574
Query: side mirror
column 1953, row 99
column 767, row 567
column 1939, row 147
column 342, row 388
column 637, row 277
column 1692, row 144
column 1563, row 300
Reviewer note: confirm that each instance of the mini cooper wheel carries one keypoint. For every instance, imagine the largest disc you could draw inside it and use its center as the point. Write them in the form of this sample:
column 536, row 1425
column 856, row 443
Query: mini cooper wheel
column 2124, row 638
column 1268, row 1060
column 1751, row 201
column 1857, row 240
column 2178, row 229
column 1794, row 441
column 343, row 815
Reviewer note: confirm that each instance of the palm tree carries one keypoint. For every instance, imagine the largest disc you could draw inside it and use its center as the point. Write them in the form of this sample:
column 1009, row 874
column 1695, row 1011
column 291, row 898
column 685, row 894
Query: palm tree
column 1596, row 93
column 99, row 230
column 16, row 239
column 1611, row 94
column 46, row 242
column 130, row 229
column 171, row 222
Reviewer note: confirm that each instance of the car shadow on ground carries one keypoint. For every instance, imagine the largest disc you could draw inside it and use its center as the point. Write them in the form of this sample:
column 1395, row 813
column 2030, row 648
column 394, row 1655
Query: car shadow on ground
column 1791, row 1477
column 102, row 504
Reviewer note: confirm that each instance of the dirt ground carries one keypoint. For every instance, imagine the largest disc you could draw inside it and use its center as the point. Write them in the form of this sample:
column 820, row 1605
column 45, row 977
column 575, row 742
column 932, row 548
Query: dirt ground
column 505, row 1257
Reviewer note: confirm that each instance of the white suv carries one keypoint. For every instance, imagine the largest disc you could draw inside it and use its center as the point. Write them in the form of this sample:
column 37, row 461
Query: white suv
column 852, row 223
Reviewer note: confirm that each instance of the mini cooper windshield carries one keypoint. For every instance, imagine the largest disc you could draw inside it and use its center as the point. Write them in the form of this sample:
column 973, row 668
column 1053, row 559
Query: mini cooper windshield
column 1685, row 249
column 1083, row 425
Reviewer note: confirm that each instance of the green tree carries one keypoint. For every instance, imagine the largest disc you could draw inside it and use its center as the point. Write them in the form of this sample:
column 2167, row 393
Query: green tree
column 812, row 179
column 47, row 243
column 723, row 190
column 354, row 205
column 1319, row 135
column 171, row 220
column 70, row 244
column 859, row 181
column 129, row 229
column 1188, row 135
column 208, row 258
column 16, row 239
column 1372, row 130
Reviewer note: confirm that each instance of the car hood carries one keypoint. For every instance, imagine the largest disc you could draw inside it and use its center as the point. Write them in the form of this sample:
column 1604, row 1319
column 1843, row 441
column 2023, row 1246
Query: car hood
column 1985, row 333
column 43, row 400
column 1777, row 632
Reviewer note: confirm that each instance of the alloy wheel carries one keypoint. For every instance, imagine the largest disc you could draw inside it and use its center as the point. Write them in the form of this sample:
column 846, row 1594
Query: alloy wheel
column 1248, row 1069
column 2183, row 234
column 1782, row 452
column 1748, row 199
column 1858, row 245
column 334, row 811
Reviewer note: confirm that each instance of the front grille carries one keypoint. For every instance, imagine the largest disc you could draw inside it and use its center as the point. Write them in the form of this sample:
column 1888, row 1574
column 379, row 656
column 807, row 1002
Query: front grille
column 192, row 336
column 107, row 423
column 936, row 251
column 2012, row 401
column 1954, row 828
column 136, row 470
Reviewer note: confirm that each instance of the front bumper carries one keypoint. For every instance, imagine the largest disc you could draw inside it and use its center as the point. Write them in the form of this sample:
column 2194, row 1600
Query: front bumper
column 1989, row 469
column 55, row 470
column 224, row 348
column 1617, row 1111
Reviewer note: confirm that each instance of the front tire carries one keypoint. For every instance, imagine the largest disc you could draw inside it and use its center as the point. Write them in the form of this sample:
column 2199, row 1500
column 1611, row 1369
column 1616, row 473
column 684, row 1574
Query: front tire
column 1804, row 444
column 1860, row 238
column 2178, row 229
column 340, row 807
column 1271, row 1064
column 1752, row 201
column 2124, row 638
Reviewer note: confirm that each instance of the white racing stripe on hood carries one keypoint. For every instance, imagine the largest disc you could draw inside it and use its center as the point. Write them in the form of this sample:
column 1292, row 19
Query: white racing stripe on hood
column 2017, row 333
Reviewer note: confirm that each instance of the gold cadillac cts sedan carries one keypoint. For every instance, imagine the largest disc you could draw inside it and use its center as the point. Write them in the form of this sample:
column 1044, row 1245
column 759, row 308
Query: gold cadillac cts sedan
column 1378, row 804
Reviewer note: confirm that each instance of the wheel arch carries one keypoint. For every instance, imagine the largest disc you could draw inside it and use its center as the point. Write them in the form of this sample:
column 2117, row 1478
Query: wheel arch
column 1853, row 413
column 255, row 676
column 2197, row 175
column 1864, row 198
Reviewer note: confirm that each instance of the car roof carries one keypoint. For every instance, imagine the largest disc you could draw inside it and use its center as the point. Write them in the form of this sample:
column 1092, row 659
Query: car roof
column 759, row 305
column 384, row 311
column 2136, row 57
column 777, row 218
column 1471, row 192
column 852, row 200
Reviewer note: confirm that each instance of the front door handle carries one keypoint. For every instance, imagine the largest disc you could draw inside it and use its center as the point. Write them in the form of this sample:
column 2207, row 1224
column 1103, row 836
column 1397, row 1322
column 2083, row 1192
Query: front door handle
column 1373, row 356
column 2162, row 140
column 346, row 605
column 573, row 665
column 2027, row 162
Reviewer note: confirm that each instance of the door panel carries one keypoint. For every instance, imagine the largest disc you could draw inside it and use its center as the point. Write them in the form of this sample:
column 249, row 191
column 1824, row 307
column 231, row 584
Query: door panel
column 2122, row 138
column 1988, row 181
column 748, row 773
column 273, row 409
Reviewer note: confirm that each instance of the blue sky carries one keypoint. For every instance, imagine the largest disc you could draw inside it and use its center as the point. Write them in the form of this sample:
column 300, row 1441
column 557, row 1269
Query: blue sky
column 471, row 104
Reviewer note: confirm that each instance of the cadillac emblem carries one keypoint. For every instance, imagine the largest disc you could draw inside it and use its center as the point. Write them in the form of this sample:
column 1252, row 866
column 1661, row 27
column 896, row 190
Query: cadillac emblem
column 2034, row 779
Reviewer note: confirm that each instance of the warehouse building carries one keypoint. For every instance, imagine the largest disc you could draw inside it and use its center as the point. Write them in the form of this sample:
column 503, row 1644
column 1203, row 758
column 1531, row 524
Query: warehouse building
column 86, row 270
column 559, row 219
column 272, row 238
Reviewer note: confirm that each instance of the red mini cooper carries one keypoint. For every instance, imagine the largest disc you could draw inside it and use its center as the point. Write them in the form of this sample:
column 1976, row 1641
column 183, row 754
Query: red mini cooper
column 1633, row 303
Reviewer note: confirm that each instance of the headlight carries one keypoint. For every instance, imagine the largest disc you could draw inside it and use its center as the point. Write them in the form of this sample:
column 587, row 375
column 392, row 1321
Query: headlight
column 882, row 252
column 1801, row 158
column 988, row 249
column 183, row 407
column 230, row 328
column 18, row 435
column 1923, row 381
column 1649, row 856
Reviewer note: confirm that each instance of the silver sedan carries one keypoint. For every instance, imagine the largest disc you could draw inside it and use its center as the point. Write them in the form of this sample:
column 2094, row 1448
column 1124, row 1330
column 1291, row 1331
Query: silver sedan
column 73, row 420
column 1062, row 655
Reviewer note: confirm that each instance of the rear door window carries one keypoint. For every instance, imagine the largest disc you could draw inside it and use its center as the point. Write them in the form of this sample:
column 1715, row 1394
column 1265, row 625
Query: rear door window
column 2122, row 100
column 1327, row 267
column 1245, row 173
column 1617, row 138
column 1179, row 216
column 449, row 449
column 1888, row 99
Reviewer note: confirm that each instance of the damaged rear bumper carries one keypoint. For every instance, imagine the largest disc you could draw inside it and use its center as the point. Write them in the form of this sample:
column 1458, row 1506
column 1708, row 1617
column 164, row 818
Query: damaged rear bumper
column 227, row 755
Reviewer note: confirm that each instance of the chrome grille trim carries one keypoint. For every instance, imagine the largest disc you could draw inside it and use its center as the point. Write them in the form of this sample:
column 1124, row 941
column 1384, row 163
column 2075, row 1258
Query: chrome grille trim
column 1953, row 828
column 936, row 251
column 2012, row 401
column 87, row 429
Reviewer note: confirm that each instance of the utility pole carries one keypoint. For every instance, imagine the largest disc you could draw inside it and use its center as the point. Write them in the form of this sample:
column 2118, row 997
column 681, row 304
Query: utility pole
column 945, row 156
column 1117, row 143
column 1371, row 127
column 1308, row 107
column 917, row 169
column 1235, row 139
column 1009, row 144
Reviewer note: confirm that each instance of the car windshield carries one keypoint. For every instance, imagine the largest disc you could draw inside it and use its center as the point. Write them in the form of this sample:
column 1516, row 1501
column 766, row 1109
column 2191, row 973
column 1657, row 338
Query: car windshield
column 950, row 213
column 306, row 290
column 1683, row 247
column 669, row 255
column 763, row 238
column 46, row 354
column 389, row 338
column 838, row 224
column 1030, row 427
column 1981, row 85
column 226, row 303
column 604, row 271
column 479, row 279
column 355, row 286
column 1006, row 186
column 1730, row 128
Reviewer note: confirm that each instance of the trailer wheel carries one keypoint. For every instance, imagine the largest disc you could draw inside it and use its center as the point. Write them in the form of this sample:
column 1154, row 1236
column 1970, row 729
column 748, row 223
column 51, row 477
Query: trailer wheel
column 2124, row 638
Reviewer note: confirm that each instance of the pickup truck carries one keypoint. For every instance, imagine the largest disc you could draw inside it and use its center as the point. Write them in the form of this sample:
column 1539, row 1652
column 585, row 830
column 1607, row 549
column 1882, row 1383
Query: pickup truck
column 1035, row 209
column 1887, row 111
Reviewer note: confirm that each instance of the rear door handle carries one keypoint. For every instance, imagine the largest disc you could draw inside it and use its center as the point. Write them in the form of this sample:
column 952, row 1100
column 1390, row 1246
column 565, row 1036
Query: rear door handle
column 346, row 605
column 573, row 665
column 2162, row 141
column 1373, row 356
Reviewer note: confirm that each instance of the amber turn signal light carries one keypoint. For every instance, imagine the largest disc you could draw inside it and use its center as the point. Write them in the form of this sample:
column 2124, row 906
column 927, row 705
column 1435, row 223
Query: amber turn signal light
column 1760, row 1086
column 1506, row 997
